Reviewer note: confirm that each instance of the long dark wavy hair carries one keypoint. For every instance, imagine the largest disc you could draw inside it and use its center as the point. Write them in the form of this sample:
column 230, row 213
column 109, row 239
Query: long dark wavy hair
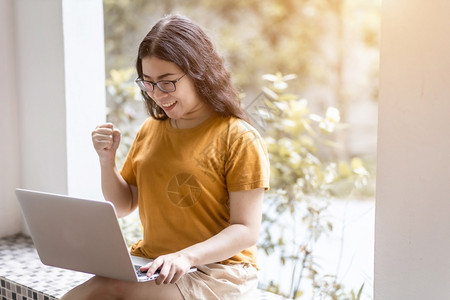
column 177, row 39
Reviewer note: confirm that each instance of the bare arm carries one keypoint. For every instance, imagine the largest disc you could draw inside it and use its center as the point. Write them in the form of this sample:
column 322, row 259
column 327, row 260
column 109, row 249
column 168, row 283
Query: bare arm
column 245, row 221
column 116, row 190
column 106, row 140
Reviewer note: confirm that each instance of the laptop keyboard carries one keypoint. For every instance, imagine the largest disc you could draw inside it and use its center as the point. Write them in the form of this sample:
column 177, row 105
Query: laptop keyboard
column 138, row 271
column 140, row 274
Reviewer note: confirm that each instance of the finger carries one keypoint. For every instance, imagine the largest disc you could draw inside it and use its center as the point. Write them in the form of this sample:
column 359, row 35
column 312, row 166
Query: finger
column 106, row 125
column 103, row 131
column 153, row 266
column 164, row 274
column 106, row 129
column 102, row 141
column 165, row 268
column 102, row 136
column 116, row 133
column 167, row 273
column 116, row 138
column 145, row 267
column 176, row 277
column 170, row 277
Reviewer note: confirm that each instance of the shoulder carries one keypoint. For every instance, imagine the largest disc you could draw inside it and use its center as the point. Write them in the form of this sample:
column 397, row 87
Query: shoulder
column 148, row 129
column 149, row 125
column 242, row 130
column 241, row 126
column 150, row 122
column 237, row 134
column 235, row 127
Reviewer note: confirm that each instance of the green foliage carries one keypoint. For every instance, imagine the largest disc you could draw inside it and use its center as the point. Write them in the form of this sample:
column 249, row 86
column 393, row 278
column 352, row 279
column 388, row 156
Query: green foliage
column 293, row 36
column 303, row 185
column 123, row 110
column 320, row 41
column 358, row 296
column 131, row 228
column 124, row 106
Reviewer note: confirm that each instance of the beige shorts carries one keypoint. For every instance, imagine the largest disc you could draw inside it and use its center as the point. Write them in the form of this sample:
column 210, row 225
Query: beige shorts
column 217, row 281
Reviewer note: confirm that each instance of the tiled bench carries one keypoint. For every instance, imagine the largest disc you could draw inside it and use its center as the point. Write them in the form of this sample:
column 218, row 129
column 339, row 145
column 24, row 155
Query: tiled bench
column 24, row 277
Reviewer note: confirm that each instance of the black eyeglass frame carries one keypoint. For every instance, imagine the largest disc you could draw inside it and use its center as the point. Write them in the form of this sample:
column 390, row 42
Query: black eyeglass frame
column 141, row 84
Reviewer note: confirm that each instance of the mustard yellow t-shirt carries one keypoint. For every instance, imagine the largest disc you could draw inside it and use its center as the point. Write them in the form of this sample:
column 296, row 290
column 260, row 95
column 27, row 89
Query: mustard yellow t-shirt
column 184, row 176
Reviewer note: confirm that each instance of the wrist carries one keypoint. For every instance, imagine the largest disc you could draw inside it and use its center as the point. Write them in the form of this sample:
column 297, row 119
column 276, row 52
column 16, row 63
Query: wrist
column 192, row 259
column 107, row 162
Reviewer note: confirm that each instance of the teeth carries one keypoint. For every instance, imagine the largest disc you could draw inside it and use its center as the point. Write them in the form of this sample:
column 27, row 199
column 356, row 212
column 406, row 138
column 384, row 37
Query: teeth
column 168, row 104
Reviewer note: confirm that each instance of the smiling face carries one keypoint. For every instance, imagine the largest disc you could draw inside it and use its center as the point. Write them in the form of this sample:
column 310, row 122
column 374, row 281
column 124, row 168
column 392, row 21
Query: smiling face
column 184, row 104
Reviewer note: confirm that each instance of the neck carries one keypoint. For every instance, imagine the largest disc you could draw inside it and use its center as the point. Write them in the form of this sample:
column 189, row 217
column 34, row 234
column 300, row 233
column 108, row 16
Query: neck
column 185, row 123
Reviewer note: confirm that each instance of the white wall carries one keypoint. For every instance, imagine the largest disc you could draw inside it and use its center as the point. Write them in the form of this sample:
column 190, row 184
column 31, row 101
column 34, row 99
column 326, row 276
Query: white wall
column 10, row 221
column 54, row 82
column 412, row 243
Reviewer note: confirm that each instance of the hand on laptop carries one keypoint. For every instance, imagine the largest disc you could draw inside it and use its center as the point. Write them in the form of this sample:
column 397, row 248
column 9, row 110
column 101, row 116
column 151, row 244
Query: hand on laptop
column 171, row 267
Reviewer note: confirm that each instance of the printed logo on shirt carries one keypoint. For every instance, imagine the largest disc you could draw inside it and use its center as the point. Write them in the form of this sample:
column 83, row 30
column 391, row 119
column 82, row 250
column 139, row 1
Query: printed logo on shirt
column 184, row 190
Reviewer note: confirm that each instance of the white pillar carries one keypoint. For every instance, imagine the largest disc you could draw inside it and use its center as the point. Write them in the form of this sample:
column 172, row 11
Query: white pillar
column 60, row 51
column 10, row 221
column 412, row 242
column 52, row 82
column 84, row 65
column 41, row 94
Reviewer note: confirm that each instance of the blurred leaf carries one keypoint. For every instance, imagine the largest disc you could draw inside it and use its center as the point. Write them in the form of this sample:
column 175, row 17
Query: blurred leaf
column 358, row 297
column 298, row 294
column 344, row 169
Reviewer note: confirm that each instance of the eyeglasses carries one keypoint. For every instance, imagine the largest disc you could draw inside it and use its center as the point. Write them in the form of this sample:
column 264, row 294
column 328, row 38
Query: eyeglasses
column 166, row 86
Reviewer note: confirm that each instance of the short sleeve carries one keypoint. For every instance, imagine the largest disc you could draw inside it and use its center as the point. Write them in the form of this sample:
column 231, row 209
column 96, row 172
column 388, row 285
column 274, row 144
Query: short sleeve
column 247, row 166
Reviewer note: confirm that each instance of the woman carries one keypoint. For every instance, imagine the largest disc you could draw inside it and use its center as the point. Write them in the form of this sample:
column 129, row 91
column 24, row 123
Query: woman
column 197, row 170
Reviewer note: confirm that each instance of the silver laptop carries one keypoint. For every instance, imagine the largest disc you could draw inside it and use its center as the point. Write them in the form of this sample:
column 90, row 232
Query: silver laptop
column 81, row 235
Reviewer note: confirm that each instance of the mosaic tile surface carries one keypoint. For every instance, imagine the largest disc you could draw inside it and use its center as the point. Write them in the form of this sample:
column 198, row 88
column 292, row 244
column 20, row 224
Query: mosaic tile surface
column 24, row 277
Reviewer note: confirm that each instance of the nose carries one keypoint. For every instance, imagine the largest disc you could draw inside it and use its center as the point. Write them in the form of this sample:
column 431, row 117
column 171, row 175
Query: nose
column 158, row 94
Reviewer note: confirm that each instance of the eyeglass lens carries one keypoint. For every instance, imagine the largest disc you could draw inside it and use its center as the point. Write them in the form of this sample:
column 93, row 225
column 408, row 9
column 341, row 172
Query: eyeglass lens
column 165, row 86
